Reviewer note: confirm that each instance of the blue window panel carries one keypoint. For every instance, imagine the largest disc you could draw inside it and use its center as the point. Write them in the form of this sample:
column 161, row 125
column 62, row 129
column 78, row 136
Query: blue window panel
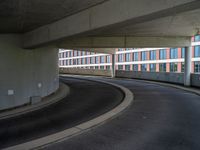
column 197, row 67
column 163, row 54
column 152, row 67
column 153, row 55
column 108, row 59
column 144, row 67
column 173, row 53
column 197, row 38
column 128, row 57
column 120, row 58
column 96, row 60
column 135, row 56
column 197, row 51
column 135, row 67
column 144, row 56
column 102, row 58
column 183, row 52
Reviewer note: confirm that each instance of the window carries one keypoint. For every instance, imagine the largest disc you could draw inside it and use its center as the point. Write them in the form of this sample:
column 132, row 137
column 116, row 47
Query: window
column 197, row 51
column 153, row 55
column 83, row 53
column 197, row 38
column 152, row 67
column 128, row 57
column 182, row 67
column 102, row 67
column 87, row 60
column 127, row 49
column 66, row 62
column 91, row 67
column 96, row 67
column 65, row 54
column 163, row 54
column 70, row 53
column 173, row 53
column 92, row 60
column 75, row 53
column 107, row 67
column 144, row 67
column 96, row 60
column 74, row 61
column 135, row 56
column 162, row 67
column 79, row 53
column 120, row 49
column 173, row 67
column 127, row 67
column 71, row 61
column 183, row 52
column 197, row 67
column 120, row 67
column 135, row 67
column 82, row 61
column 108, row 59
column 79, row 61
column 144, row 56
column 120, row 57
column 102, row 59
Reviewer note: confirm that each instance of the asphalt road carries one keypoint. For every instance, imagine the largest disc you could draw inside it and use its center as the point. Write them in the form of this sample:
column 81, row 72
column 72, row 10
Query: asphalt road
column 87, row 100
column 161, row 118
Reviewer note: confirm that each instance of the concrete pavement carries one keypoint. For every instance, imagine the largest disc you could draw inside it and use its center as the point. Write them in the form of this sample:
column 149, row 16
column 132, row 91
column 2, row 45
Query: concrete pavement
column 161, row 118
column 87, row 100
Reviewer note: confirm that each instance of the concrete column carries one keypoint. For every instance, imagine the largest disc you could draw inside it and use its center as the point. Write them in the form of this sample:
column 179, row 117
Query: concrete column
column 26, row 75
column 187, row 71
column 113, row 66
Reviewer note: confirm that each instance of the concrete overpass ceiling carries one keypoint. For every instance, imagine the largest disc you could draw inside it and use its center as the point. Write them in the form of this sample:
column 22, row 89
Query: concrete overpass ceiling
column 17, row 16
column 127, row 17
column 184, row 24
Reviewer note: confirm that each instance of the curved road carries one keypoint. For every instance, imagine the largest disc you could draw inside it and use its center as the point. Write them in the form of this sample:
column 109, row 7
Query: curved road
column 86, row 101
column 161, row 118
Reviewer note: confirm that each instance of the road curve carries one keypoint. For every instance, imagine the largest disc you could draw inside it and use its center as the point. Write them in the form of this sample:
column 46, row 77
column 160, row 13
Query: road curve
column 87, row 100
column 161, row 118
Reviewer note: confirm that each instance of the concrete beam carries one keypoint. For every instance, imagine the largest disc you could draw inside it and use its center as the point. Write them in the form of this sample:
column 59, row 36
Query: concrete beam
column 124, row 42
column 110, row 14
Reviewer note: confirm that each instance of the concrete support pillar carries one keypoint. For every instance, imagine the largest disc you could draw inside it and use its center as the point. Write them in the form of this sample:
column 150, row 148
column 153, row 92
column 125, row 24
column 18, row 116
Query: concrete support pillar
column 113, row 66
column 26, row 75
column 187, row 71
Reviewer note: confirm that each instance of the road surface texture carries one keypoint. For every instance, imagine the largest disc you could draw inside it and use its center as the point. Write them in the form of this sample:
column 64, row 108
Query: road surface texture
column 86, row 101
column 160, row 118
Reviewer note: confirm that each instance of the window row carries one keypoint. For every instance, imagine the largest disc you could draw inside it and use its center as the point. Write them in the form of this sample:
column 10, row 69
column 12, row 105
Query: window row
column 162, row 67
column 87, row 60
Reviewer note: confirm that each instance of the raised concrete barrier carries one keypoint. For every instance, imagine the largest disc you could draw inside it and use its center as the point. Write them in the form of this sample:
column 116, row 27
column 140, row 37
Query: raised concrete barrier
column 195, row 80
column 177, row 78
column 80, row 71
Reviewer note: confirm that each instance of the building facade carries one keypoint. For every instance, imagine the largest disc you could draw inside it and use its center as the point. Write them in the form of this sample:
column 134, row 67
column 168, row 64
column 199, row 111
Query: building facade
column 130, row 59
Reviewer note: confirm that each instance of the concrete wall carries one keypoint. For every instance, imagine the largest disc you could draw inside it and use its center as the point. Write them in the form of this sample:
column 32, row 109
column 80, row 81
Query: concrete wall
column 176, row 78
column 79, row 71
column 195, row 80
column 25, row 73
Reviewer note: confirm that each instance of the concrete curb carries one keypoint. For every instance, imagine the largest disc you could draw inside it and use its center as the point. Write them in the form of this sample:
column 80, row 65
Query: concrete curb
column 83, row 127
column 60, row 94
